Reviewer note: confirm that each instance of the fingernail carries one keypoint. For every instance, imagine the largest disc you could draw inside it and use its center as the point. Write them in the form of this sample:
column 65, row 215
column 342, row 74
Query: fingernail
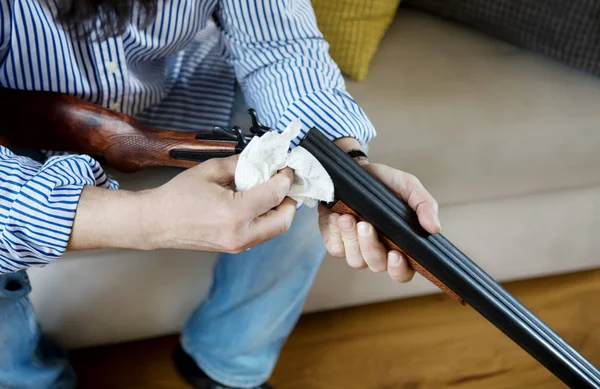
column 363, row 229
column 393, row 259
column 346, row 223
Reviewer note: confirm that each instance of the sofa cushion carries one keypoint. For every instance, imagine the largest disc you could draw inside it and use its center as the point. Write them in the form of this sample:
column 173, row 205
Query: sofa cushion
column 476, row 118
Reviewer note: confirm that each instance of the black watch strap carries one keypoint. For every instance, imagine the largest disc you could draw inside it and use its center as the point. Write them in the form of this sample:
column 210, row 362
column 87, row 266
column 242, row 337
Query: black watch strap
column 358, row 155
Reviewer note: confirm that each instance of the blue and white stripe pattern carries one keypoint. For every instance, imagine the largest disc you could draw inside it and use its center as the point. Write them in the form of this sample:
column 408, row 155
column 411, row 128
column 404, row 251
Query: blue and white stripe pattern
column 179, row 72
column 38, row 203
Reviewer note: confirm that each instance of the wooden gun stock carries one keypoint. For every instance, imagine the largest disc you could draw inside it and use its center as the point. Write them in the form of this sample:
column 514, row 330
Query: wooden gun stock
column 59, row 122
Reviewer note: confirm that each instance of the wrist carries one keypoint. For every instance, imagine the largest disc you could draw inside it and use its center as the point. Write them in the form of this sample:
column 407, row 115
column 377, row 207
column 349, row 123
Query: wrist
column 150, row 226
column 348, row 143
column 157, row 223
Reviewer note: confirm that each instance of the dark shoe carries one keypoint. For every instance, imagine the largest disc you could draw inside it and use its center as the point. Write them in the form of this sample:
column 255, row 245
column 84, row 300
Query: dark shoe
column 194, row 376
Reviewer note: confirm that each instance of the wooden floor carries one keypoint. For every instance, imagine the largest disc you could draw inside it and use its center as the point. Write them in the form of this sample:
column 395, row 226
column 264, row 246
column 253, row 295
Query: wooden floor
column 421, row 343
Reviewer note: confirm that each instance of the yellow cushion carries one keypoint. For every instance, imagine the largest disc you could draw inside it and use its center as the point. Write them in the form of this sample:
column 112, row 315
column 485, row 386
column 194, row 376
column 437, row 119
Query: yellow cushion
column 354, row 29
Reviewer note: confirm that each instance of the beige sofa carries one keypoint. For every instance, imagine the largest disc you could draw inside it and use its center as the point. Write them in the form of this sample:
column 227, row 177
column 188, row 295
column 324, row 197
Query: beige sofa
column 508, row 142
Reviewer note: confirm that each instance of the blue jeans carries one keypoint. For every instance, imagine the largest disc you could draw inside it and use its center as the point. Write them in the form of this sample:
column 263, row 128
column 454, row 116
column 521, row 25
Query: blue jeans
column 235, row 335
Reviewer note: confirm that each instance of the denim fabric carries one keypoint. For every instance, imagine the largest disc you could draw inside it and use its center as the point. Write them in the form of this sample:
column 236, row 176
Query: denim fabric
column 256, row 299
column 27, row 359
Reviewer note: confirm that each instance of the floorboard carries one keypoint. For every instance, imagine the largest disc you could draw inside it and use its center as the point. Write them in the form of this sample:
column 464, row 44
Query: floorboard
column 420, row 343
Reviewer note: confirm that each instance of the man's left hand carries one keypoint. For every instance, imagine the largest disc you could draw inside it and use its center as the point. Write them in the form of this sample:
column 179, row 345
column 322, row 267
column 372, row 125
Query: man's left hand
column 359, row 242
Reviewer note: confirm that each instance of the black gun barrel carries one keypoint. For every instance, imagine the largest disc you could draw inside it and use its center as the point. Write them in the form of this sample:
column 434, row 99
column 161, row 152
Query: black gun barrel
column 393, row 218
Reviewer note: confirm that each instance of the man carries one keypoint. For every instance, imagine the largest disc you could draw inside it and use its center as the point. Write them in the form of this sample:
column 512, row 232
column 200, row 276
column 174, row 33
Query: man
column 174, row 64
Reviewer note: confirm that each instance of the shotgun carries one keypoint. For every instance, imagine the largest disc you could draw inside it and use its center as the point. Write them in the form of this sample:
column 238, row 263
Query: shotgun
column 60, row 122
column 52, row 121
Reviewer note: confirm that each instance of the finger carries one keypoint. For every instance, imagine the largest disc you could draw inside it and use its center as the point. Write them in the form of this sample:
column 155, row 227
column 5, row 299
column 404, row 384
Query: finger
column 273, row 223
column 419, row 199
column 264, row 197
column 399, row 268
column 413, row 192
column 373, row 252
column 347, row 225
column 333, row 241
column 324, row 215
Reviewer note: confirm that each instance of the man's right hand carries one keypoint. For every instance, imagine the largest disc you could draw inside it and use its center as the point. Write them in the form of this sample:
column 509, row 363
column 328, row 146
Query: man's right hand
column 197, row 210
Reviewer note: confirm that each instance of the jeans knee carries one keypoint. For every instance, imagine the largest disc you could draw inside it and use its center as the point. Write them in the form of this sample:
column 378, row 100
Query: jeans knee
column 305, row 234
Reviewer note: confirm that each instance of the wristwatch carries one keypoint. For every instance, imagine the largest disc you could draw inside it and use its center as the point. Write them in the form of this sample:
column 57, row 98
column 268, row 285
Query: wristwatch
column 357, row 155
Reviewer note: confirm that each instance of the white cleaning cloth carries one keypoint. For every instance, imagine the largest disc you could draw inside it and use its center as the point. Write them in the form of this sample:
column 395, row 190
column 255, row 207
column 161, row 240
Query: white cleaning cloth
column 265, row 155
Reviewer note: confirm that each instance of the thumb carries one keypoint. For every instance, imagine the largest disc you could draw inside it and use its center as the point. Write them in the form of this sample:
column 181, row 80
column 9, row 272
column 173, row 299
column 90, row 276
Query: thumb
column 264, row 197
column 410, row 189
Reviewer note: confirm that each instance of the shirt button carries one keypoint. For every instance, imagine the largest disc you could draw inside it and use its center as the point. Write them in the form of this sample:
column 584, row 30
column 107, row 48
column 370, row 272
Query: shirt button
column 112, row 66
column 115, row 106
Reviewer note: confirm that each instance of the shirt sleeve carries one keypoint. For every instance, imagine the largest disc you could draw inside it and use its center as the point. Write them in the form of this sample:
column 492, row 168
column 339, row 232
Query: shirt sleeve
column 284, row 69
column 38, row 204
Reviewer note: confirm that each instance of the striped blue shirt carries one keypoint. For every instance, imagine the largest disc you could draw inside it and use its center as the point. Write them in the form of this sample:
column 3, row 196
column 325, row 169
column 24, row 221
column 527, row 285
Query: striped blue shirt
column 178, row 72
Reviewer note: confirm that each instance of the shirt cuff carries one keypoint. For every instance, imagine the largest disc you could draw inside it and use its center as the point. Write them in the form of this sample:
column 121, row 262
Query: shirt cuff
column 334, row 112
column 41, row 217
